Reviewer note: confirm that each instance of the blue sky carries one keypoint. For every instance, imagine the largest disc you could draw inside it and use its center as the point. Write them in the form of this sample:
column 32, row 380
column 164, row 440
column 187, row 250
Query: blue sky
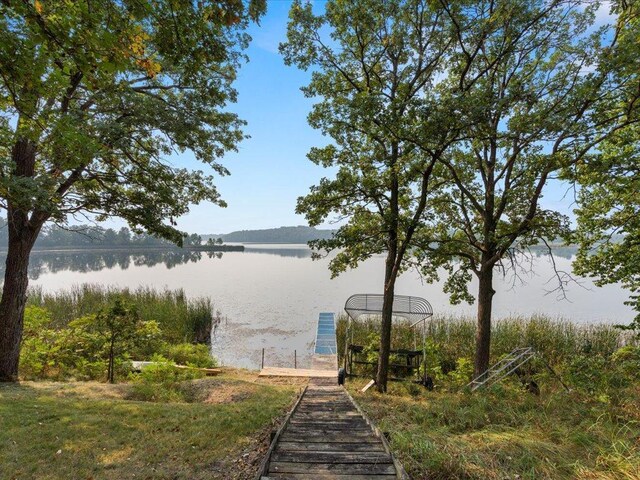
column 270, row 170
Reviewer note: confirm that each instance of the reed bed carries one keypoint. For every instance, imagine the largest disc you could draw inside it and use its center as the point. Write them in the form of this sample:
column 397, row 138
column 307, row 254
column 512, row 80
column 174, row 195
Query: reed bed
column 557, row 339
column 181, row 319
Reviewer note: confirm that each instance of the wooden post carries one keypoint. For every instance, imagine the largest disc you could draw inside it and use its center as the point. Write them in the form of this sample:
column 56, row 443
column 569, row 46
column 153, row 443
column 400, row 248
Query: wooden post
column 295, row 359
column 262, row 358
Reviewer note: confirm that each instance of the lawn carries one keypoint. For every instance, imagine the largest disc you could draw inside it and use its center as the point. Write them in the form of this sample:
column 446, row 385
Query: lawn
column 507, row 433
column 90, row 430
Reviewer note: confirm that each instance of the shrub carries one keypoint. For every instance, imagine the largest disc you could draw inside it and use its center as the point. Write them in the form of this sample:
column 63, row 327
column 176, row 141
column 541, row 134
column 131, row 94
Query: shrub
column 40, row 345
column 189, row 354
column 91, row 347
column 162, row 381
column 462, row 373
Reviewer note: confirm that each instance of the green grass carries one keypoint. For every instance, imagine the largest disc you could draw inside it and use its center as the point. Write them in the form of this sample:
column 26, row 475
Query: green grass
column 181, row 319
column 505, row 433
column 558, row 340
column 593, row 432
column 89, row 430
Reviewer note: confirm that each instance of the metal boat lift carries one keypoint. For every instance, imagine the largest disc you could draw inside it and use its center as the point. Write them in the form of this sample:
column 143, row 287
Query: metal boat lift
column 415, row 309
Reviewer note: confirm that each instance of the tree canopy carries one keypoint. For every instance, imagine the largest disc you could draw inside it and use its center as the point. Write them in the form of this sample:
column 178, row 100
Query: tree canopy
column 373, row 65
column 94, row 98
column 538, row 94
column 101, row 93
column 608, row 210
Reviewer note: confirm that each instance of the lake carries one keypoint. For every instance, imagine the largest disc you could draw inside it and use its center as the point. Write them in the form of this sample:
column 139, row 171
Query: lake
column 270, row 295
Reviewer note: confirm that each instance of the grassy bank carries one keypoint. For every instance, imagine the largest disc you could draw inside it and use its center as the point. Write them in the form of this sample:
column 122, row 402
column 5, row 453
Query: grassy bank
column 92, row 430
column 77, row 333
column 506, row 433
column 181, row 319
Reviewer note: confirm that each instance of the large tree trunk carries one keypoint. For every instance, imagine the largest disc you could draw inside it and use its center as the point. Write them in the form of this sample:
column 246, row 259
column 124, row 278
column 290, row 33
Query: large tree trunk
column 387, row 316
column 483, row 331
column 22, row 235
column 14, row 297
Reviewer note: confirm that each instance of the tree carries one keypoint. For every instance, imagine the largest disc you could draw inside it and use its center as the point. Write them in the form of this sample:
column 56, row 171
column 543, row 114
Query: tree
column 219, row 241
column 93, row 95
column 192, row 240
column 119, row 325
column 124, row 236
column 112, row 334
column 608, row 213
column 372, row 73
column 536, row 91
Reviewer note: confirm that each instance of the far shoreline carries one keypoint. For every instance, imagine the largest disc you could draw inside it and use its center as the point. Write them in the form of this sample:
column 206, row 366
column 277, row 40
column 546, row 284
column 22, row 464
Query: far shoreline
column 141, row 248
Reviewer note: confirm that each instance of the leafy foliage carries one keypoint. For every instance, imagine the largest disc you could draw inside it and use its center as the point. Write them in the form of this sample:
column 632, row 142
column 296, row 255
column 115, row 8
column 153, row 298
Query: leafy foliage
column 94, row 96
column 609, row 216
column 537, row 94
column 373, row 65
column 189, row 354
column 608, row 206
column 119, row 86
column 162, row 381
column 99, row 346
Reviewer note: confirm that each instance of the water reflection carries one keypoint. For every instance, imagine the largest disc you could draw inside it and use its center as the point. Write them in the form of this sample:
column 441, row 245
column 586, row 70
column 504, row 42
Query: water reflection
column 561, row 252
column 47, row 261
column 295, row 252
column 43, row 262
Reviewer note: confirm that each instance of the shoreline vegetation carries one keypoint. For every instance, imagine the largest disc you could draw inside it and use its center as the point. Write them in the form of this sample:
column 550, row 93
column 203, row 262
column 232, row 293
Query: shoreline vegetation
column 136, row 424
column 92, row 237
column 510, row 430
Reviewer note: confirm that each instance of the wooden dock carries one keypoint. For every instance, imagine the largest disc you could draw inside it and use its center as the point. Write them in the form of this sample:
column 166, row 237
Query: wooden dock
column 324, row 362
column 326, row 437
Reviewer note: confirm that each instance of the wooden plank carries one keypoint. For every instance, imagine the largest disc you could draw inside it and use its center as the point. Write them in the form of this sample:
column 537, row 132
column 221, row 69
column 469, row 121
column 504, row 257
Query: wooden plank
column 297, row 372
column 328, row 476
column 338, row 468
column 332, row 457
column 315, row 413
column 329, row 429
column 329, row 447
column 326, row 406
column 353, row 422
column 326, row 438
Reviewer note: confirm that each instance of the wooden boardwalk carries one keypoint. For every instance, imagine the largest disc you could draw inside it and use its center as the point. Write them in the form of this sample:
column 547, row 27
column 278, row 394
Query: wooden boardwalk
column 326, row 437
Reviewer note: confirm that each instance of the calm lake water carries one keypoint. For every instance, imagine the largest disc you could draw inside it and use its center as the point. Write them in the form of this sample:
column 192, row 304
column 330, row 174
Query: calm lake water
column 271, row 295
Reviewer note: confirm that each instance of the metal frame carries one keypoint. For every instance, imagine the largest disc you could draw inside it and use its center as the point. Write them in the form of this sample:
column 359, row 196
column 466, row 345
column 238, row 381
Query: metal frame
column 503, row 368
column 507, row 366
column 415, row 309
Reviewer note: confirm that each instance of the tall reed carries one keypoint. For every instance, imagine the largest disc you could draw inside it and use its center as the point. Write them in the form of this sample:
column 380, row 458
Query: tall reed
column 558, row 340
column 181, row 319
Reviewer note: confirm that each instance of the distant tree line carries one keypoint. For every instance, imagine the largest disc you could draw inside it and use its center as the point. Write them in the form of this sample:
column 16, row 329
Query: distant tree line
column 299, row 234
column 54, row 236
